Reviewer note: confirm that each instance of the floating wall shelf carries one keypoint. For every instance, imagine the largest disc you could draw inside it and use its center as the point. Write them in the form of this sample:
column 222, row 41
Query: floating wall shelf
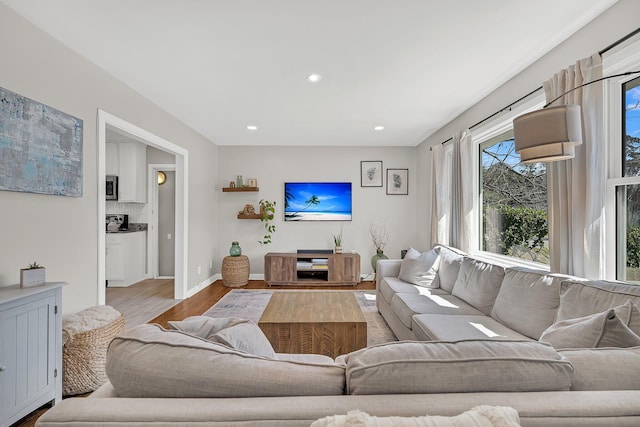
column 237, row 189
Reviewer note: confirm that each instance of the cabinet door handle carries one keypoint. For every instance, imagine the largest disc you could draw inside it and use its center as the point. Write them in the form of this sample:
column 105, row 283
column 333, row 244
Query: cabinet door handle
column 3, row 368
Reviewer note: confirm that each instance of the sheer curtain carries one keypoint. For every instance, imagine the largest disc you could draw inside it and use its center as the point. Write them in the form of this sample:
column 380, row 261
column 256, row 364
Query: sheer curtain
column 452, row 192
column 577, row 187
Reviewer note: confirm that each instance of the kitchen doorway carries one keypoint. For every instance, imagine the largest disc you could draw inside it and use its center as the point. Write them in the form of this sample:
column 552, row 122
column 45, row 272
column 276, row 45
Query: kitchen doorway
column 181, row 216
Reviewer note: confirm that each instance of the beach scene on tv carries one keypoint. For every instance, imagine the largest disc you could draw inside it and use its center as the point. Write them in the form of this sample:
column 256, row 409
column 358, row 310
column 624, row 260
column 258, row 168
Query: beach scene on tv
column 317, row 201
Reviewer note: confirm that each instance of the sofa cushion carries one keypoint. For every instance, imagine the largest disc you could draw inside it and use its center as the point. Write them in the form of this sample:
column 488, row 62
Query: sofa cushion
column 582, row 298
column 478, row 283
column 448, row 267
column 405, row 306
column 434, row 327
column 149, row 361
column 389, row 286
column 411, row 367
column 420, row 269
column 239, row 334
column 528, row 301
column 607, row 329
column 605, row 368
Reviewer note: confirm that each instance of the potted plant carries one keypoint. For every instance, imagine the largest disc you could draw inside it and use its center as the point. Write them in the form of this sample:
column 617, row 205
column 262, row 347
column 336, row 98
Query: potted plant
column 33, row 275
column 337, row 240
column 267, row 213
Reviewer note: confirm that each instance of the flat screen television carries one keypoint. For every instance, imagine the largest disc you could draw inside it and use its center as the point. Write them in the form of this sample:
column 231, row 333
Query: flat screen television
column 317, row 201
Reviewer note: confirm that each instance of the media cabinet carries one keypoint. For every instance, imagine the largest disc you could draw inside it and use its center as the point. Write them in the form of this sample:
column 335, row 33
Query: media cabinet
column 311, row 269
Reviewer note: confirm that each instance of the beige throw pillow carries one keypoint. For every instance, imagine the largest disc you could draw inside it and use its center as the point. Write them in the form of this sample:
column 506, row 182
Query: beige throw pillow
column 420, row 269
column 610, row 328
column 236, row 333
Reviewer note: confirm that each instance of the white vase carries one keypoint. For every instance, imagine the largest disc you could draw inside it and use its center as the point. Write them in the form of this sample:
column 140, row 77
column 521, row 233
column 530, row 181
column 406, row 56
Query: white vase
column 338, row 249
column 32, row 277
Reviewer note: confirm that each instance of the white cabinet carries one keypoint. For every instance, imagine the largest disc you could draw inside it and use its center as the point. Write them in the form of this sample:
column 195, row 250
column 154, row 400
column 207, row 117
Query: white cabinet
column 30, row 349
column 126, row 260
column 128, row 160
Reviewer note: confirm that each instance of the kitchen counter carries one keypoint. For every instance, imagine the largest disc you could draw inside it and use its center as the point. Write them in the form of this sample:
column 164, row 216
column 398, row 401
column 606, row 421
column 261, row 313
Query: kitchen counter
column 133, row 228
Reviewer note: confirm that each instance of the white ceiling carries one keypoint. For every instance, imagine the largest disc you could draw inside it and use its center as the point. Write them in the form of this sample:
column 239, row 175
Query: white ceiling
column 408, row 65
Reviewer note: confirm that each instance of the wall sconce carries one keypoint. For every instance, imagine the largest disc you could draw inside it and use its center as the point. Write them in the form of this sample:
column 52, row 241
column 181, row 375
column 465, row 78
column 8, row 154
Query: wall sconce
column 162, row 177
column 551, row 134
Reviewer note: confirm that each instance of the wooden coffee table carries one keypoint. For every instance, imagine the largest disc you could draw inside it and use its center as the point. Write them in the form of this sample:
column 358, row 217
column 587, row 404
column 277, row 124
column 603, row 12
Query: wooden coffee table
column 314, row 322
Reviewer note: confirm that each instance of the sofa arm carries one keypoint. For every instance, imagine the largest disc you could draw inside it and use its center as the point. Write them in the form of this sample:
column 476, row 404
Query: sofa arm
column 387, row 268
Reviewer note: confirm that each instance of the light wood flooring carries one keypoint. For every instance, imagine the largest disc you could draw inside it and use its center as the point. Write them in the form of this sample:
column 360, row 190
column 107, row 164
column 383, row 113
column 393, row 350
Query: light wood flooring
column 142, row 301
column 151, row 301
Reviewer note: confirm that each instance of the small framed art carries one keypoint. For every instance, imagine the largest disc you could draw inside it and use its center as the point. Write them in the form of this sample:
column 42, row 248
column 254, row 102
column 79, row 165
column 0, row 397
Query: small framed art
column 398, row 181
column 371, row 173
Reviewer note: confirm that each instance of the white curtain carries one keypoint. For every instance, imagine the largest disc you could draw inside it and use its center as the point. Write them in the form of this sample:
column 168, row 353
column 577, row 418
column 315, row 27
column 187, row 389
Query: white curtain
column 452, row 193
column 577, row 187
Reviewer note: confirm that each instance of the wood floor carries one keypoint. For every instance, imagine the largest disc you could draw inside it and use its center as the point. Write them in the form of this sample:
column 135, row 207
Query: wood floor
column 151, row 301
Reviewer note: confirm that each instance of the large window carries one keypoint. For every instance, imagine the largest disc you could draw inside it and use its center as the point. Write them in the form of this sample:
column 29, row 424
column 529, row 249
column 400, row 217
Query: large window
column 514, row 202
column 628, row 195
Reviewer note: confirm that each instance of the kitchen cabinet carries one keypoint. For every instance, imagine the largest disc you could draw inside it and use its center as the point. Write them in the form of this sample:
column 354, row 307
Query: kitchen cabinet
column 128, row 160
column 31, row 350
column 126, row 258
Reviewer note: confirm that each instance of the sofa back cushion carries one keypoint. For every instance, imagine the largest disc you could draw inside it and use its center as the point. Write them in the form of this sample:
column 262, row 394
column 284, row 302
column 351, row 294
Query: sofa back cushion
column 149, row 361
column 605, row 368
column 583, row 298
column 457, row 367
column 478, row 283
column 448, row 267
column 528, row 301
column 420, row 269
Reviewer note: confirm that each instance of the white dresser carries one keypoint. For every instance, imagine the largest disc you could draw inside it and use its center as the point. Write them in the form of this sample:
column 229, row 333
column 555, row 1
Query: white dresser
column 30, row 349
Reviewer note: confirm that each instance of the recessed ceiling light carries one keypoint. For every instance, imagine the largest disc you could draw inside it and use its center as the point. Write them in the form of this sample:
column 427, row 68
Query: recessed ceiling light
column 378, row 128
column 314, row 78
column 252, row 127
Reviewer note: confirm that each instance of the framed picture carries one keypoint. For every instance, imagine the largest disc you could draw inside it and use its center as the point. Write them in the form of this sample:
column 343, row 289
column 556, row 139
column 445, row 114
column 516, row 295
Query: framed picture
column 371, row 173
column 252, row 182
column 398, row 181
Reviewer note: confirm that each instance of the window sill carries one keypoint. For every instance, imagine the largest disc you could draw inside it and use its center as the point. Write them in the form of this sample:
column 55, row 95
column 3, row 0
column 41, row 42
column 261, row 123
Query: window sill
column 507, row 261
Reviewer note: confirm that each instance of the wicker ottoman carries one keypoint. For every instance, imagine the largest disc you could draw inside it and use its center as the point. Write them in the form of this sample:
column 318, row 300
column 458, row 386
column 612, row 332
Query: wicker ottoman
column 235, row 271
column 87, row 335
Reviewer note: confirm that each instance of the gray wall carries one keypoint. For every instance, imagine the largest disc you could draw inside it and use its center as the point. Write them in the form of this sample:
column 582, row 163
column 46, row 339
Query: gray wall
column 62, row 232
column 272, row 166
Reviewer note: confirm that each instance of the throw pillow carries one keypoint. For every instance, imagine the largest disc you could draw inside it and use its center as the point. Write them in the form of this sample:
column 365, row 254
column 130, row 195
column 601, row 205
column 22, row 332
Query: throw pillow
column 607, row 329
column 247, row 337
column 236, row 333
column 420, row 269
column 448, row 267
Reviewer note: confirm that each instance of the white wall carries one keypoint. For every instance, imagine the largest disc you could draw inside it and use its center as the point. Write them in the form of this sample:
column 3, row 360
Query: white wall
column 615, row 23
column 61, row 232
column 272, row 166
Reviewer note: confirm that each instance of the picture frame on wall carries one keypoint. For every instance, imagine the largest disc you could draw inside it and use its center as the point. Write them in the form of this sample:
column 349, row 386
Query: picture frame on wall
column 398, row 181
column 371, row 173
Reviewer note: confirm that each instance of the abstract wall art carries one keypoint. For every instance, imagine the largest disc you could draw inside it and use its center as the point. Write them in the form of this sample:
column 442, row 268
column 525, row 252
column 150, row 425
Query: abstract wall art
column 40, row 147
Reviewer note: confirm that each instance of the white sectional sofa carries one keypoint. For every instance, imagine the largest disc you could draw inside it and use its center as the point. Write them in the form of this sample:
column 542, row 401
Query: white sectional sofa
column 472, row 334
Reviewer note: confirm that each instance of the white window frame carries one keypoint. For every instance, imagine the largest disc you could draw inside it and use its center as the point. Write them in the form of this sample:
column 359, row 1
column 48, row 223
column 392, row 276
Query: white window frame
column 484, row 132
column 622, row 59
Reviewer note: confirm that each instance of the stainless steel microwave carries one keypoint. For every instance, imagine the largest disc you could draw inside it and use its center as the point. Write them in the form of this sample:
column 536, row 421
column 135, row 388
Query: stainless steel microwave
column 111, row 188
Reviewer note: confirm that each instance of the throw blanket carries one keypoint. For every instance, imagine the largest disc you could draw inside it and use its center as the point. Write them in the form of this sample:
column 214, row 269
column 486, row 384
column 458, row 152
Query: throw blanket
column 87, row 320
column 480, row 416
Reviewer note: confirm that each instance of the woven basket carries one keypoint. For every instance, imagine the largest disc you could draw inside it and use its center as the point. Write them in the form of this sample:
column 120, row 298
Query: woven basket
column 84, row 357
column 235, row 271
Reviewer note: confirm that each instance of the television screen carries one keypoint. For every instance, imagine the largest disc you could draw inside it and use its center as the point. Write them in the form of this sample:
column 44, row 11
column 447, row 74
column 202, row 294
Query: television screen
column 317, row 201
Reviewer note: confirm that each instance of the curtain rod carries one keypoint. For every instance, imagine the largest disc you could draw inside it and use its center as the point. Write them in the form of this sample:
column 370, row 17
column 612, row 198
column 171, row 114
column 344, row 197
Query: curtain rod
column 508, row 107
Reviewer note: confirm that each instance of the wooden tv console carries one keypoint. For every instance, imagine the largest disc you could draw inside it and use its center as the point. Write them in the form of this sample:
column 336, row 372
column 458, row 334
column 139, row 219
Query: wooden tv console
column 311, row 269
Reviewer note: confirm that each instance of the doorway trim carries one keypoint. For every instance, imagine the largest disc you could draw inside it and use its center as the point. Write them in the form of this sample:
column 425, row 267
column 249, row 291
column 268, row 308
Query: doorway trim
column 153, row 236
column 182, row 199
